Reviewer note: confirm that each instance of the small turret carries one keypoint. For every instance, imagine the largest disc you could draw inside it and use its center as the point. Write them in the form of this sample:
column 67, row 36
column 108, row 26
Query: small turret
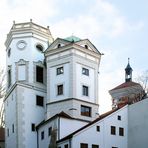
column 128, row 72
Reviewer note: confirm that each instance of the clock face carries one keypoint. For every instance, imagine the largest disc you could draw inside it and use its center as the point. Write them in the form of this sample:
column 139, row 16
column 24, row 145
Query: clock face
column 21, row 44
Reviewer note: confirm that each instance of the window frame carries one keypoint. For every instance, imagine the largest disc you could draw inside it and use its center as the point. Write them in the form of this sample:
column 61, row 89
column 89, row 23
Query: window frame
column 85, row 71
column 33, row 127
column 39, row 74
column 121, row 131
column 60, row 91
column 113, row 130
column 85, row 90
column 84, row 111
column 60, row 70
column 40, row 101
column 42, row 135
column 83, row 145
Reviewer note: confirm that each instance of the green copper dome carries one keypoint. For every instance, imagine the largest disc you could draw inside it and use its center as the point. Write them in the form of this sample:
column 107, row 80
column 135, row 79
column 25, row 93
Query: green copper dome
column 72, row 39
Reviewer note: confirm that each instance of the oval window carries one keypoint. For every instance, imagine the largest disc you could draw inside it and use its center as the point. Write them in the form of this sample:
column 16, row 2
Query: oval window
column 39, row 47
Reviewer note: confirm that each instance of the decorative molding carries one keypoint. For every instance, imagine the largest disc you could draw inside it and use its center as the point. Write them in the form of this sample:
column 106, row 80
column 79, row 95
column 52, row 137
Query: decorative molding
column 26, row 64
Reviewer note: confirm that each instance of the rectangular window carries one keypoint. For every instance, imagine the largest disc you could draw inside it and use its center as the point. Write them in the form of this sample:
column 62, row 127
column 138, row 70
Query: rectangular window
column 12, row 128
column 39, row 100
column 42, row 135
column 39, row 74
column 85, row 71
column 66, row 146
column 83, row 145
column 119, row 117
column 60, row 70
column 98, row 128
column 49, row 131
column 121, row 131
column 95, row 146
column 8, row 132
column 60, row 90
column 113, row 130
column 85, row 90
column 33, row 127
column 9, row 77
column 85, row 111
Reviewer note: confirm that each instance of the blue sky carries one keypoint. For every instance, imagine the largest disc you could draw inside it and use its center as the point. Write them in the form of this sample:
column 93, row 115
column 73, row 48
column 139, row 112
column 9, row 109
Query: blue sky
column 118, row 28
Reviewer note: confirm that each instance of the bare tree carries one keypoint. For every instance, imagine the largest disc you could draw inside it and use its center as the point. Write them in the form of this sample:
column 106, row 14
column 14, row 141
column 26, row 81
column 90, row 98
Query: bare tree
column 143, row 80
column 2, row 94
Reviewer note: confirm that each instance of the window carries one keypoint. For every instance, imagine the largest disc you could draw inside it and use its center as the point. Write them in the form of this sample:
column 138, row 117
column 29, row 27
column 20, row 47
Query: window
column 33, row 127
column 66, row 146
column 49, row 131
column 39, row 74
column 98, row 128
column 114, row 147
column 85, row 90
column 83, row 145
column 42, row 135
column 9, row 77
column 86, row 46
column 121, row 131
column 60, row 70
column 12, row 128
column 8, row 132
column 85, row 71
column 113, row 130
column 60, row 90
column 85, row 111
column 95, row 146
column 9, row 52
column 59, row 45
column 39, row 47
column 39, row 100
column 119, row 117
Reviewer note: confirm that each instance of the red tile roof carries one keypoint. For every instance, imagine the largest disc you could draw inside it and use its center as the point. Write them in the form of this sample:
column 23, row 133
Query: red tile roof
column 125, row 84
column 2, row 134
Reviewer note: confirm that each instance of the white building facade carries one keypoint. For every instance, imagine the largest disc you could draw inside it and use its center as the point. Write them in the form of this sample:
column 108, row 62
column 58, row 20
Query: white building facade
column 52, row 94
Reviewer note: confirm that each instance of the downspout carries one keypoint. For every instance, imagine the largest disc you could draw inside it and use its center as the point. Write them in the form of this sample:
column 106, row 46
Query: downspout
column 70, row 146
column 58, row 128
column 37, row 140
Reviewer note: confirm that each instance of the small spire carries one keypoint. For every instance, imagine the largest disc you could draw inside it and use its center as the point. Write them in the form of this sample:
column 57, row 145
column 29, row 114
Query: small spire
column 128, row 60
column 30, row 20
column 128, row 72
column 14, row 22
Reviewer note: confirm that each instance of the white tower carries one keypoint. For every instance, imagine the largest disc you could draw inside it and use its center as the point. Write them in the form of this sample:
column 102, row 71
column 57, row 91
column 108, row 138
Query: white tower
column 72, row 78
column 25, row 102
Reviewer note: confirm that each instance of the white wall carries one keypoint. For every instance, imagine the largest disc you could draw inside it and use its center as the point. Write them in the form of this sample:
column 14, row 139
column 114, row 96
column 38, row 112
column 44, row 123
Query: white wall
column 138, row 124
column 103, row 138
column 89, row 81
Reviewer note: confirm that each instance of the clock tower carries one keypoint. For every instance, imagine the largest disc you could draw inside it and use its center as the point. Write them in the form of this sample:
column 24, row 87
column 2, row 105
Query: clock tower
column 26, row 83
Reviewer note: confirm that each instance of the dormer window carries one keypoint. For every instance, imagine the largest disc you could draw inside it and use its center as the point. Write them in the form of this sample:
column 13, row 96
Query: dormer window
column 86, row 46
column 60, row 70
column 59, row 45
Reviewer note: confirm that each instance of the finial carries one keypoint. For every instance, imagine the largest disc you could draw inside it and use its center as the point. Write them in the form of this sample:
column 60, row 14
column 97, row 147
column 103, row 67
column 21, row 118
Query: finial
column 47, row 27
column 30, row 20
column 13, row 22
column 128, row 60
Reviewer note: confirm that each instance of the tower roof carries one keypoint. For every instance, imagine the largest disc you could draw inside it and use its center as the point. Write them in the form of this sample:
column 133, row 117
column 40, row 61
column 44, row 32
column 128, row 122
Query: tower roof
column 72, row 39
column 128, row 67
column 125, row 85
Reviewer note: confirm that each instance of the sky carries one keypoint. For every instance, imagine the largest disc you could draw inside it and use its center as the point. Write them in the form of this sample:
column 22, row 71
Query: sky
column 118, row 28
